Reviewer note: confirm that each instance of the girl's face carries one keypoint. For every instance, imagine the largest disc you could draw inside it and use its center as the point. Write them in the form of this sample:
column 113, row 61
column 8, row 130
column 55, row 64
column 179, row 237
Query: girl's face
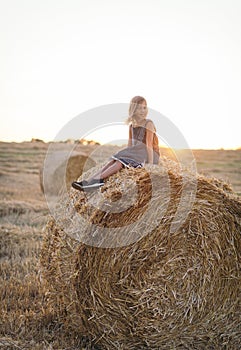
column 141, row 110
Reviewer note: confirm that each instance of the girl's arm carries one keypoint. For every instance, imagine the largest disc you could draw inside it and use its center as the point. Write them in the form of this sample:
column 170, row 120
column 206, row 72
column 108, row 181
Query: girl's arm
column 150, row 130
column 130, row 137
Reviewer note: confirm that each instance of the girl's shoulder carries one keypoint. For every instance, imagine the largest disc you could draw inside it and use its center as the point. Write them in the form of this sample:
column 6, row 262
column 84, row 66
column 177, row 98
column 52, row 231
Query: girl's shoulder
column 150, row 125
column 148, row 121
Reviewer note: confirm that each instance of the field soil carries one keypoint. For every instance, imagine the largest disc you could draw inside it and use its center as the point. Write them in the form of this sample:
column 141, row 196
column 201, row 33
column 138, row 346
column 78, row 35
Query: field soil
column 25, row 322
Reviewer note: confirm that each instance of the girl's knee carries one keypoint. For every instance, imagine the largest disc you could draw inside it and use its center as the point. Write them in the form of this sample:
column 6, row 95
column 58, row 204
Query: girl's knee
column 120, row 165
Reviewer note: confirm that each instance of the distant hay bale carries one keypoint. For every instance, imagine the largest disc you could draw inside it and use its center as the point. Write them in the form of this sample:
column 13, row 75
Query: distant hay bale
column 62, row 170
column 168, row 289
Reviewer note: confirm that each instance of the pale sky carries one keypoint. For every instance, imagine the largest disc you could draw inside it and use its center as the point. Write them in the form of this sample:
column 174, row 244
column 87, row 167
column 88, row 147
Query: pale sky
column 60, row 58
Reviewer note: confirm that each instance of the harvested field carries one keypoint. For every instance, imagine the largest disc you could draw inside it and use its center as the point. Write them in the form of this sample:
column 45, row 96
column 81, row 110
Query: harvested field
column 31, row 318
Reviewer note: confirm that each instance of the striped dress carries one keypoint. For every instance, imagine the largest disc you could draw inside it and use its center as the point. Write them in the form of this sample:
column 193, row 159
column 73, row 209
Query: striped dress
column 136, row 155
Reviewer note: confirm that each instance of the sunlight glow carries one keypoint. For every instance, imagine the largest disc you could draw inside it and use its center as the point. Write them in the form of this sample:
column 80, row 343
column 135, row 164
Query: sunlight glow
column 183, row 57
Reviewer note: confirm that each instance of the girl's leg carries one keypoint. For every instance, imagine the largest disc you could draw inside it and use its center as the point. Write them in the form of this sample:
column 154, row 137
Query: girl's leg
column 98, row 174
column 110, row 169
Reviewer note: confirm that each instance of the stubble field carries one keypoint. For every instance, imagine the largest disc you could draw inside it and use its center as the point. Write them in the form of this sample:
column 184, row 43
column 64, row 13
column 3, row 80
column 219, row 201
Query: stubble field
column 25, row 322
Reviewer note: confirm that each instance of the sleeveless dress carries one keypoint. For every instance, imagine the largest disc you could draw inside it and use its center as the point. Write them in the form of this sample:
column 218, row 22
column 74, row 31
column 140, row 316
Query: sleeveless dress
column 136, row 155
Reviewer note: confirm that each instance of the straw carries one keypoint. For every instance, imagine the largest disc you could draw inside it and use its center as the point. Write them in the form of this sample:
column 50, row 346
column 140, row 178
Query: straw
column 167, row 289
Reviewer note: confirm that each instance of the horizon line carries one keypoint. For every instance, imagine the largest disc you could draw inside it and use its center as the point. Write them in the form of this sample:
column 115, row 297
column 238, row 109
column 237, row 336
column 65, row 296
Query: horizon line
column 88, row 142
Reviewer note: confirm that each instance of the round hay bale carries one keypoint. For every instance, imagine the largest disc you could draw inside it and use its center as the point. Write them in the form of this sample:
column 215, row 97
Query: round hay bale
column 169, row 289
column 62, row 169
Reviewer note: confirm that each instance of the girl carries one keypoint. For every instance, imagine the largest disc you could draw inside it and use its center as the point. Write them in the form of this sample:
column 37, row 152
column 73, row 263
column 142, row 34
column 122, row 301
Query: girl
column 142, row 147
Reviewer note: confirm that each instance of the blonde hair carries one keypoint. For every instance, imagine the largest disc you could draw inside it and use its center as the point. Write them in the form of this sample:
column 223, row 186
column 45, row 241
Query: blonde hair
column 135, row 101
